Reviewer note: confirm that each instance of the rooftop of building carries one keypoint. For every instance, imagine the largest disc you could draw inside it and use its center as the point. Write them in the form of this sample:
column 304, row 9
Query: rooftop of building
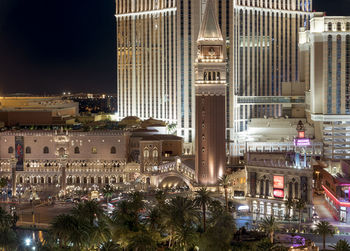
column 158, row 137
column 275, row 160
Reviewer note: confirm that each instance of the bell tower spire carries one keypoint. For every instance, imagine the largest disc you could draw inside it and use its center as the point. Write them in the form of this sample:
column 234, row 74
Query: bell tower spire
column 210, row 86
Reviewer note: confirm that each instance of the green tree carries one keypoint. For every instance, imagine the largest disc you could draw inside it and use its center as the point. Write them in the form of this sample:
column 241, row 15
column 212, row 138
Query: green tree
column 89, row 210
column 202, row 200
column 126, row 219
column 6, row 219
column 216, row 209
column 323, row 228
column 342, row 245
column 219, row 234
column 224, row 181
column 180, row 215
column 300, row 206
column 142, row 241
column 108, row 192
column 70, row 231
column 160, row 197
column 110, row 246
column 269, row 226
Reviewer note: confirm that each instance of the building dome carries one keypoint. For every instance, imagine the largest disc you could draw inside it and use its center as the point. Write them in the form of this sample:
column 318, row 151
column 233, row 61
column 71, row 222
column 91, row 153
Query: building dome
column 131, row 121
column 151, row 122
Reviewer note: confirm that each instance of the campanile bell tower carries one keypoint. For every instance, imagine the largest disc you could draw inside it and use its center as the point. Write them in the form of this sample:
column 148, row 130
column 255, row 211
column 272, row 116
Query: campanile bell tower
column 210, row 86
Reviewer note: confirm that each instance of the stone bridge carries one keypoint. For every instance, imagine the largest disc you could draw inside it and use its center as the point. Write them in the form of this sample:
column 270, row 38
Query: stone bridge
column 173, row 174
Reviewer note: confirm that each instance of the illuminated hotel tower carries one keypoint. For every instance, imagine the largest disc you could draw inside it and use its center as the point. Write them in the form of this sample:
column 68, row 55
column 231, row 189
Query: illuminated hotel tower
column 210, row 89
column 264, row 55
column 325, row 53
column 147, row 59
column 157, row 52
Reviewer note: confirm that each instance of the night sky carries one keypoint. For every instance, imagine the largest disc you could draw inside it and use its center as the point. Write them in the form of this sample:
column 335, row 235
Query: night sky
column 51, row 46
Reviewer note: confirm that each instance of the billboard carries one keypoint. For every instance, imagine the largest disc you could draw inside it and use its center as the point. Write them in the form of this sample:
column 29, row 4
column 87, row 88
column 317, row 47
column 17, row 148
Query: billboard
column 278, row 193
column 278, row 182
column 19, row 145
column 302, row 142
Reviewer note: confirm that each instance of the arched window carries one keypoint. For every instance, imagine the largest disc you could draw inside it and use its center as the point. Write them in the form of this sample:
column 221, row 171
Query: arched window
column 76, row 150
column 262, row 187
column 113, row 150
column 10, row 150
column 330, row 28
column 338, row 26
column 348, row 26
column 296, row 190
column 267, row 188
column 155, row 153
column 28, row 150
column 93, row 150
column 146, row 153
column 46, row 150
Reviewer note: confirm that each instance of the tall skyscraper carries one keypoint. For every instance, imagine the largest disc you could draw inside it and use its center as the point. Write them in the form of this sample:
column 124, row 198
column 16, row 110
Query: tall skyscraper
column 264, row 55
column 147, row 59
column 210, row 86
column 325, row 48
column 157, row 51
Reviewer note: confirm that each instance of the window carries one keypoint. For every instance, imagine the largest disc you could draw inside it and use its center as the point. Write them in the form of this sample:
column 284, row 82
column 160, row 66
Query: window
column 338, row 26
column 348, row 26
column 146, row 153
column 329, row 26
column 10, row 150
column 93, row 150
column 28, row 150
column 113, row 150
column 155, row 153
column 76, row 150
column 46, row 150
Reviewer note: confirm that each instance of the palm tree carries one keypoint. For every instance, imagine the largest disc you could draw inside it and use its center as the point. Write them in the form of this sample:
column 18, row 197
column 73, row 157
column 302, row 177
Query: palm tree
column 108, row 192
column 110, row 246
column 70, row 231
column 300, row 205
column 185, row 236
column 6, row 220
column 202, row 200
column 160, row 197
column 90, row 210
column 324, row 228
column 224, row 181
column 179, row 215
column 269, row 225
column 142, row 241
column 342, row 245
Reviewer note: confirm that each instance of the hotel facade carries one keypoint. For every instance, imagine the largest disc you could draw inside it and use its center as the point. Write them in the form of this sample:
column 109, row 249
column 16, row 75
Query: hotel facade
column 325, row 53
column 156, row 54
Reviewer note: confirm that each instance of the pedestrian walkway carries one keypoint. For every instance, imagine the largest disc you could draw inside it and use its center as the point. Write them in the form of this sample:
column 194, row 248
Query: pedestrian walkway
column 322, row 210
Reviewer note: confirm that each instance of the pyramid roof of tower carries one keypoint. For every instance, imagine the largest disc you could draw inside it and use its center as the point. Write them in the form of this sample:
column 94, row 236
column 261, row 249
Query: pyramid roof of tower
column 210, row 29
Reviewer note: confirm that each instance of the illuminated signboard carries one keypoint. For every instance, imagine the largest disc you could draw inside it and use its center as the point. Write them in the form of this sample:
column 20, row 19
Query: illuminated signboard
column 278, row 193
column 301, row 134
column 278, row 182
column 302, row 142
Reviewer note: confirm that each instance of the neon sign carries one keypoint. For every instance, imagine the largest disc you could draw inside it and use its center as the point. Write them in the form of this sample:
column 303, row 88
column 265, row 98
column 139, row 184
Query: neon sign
column 302, row 142
column 278, row 182
column 278, row 193
column 329, row 194
column 301, row 134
